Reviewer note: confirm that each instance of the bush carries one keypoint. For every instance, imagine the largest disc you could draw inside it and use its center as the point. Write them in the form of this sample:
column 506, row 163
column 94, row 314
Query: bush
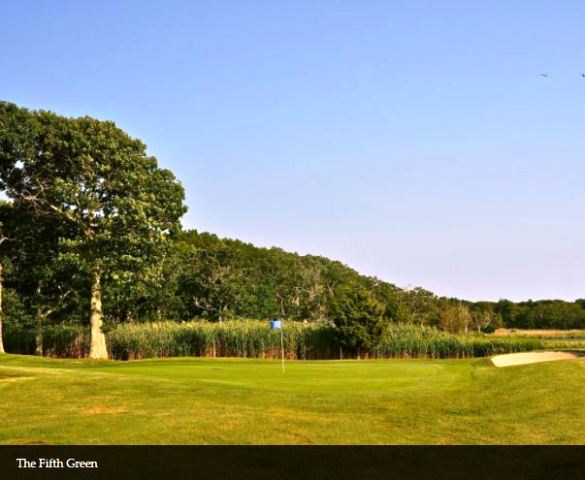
column 359, row 319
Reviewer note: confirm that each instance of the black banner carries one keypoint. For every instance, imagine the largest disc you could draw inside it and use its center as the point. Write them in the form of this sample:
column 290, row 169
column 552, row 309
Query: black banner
column 292, row 462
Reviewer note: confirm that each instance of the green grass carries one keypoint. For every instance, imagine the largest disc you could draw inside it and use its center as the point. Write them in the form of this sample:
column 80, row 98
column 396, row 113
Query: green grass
column 244, row 401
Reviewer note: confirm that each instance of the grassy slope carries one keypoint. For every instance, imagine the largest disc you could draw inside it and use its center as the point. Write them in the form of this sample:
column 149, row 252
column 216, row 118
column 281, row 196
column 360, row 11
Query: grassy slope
column 227, row 401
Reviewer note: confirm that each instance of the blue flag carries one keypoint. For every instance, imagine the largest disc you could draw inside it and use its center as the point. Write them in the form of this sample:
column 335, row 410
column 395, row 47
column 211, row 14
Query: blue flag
column 275, row 324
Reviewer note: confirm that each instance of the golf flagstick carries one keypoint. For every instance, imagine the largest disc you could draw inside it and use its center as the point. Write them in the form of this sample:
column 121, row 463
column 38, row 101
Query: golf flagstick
column 282, row 349
column 277, row 324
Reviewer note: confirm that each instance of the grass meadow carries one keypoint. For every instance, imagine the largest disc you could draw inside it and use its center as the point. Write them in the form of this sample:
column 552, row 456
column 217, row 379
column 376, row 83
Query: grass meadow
column 550, row 339
column 250, row 401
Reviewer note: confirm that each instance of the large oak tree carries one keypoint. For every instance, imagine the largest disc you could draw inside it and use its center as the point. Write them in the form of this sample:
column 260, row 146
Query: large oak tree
column 90, row 174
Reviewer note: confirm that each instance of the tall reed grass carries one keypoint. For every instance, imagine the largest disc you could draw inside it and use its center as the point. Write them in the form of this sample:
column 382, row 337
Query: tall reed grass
column 408, row 341
column 236, row 338
column 254, row 339
column 66, row 341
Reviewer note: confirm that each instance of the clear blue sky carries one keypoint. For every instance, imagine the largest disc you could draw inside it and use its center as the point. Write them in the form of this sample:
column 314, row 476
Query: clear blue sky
column 412, row 140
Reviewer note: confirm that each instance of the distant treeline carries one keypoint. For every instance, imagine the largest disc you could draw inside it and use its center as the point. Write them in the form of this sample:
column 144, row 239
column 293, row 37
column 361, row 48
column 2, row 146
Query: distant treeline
column 201, row 276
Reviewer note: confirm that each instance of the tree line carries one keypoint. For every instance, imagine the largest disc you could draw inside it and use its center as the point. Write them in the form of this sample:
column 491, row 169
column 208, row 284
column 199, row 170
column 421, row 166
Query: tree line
column 90, row 233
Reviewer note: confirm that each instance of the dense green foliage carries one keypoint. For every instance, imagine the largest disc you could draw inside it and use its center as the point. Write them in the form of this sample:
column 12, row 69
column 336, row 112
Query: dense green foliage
column 245, row 401
column 360, row 320
column 542, row 314
column 89, row 196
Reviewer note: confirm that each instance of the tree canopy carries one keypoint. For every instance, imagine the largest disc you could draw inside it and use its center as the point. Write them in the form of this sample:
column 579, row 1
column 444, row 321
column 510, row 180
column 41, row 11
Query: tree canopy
column 89, row 174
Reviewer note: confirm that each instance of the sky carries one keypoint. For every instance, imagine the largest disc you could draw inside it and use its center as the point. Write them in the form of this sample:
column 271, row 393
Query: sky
column 416, row 141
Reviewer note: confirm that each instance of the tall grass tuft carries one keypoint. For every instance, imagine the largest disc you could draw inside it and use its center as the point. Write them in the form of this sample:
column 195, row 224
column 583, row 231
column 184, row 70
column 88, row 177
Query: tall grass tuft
column 65, row 341
column 236, row 338
column 409, row 341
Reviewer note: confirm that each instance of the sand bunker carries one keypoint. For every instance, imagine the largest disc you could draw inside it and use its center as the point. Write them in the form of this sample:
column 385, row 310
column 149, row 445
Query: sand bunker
column 511, row 359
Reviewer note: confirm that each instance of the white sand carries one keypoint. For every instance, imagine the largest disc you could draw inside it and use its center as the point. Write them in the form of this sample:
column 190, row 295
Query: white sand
column 511, row 359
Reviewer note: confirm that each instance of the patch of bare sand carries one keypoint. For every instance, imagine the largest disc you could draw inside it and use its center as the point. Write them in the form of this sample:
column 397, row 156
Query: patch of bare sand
column 511, row 359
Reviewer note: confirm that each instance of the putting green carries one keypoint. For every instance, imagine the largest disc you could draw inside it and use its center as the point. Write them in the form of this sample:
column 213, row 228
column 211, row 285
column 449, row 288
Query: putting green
column 241, row 401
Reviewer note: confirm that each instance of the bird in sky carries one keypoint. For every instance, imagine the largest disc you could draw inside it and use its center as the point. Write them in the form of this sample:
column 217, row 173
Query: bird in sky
column 545, row 75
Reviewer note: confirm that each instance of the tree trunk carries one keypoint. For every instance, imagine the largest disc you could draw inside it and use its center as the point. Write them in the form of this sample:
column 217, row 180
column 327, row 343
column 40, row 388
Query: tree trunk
column 39, row 329
column 97, row 347
column 39, row 334
column 1, row 311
